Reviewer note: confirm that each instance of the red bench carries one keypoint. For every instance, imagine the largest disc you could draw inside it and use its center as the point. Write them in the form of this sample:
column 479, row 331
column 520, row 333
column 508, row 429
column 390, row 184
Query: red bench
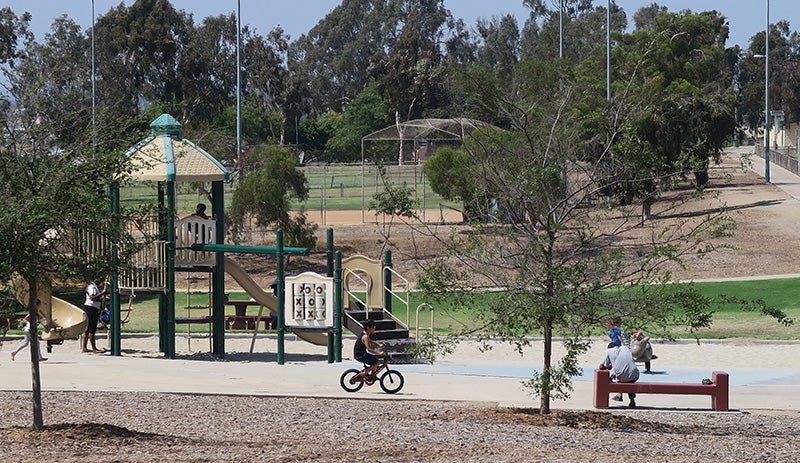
column 718, row 389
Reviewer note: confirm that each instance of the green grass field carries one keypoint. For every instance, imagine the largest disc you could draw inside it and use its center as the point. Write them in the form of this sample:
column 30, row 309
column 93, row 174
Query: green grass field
column 730, row 321
column 331, row 187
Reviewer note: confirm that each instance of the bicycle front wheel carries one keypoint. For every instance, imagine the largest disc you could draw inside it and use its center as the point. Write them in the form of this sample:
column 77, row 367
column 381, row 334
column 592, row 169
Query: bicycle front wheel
column 349, row 382
column 392, row 381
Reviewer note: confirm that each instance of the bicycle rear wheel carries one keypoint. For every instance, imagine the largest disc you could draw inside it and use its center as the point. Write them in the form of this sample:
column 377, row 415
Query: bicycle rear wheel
column 392, row 381
column 349, row 382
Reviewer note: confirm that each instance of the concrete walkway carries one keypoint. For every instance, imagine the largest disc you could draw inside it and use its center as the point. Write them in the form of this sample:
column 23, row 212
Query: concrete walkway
column 780, row 177
column 763, row 375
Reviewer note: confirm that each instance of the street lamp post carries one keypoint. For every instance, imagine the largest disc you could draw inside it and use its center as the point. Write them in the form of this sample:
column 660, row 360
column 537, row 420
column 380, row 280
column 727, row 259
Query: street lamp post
column 608, row 51
column 560, row 28
column 766, row 99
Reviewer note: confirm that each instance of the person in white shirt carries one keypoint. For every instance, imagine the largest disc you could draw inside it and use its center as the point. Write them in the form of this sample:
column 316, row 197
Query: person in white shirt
column 92, row 306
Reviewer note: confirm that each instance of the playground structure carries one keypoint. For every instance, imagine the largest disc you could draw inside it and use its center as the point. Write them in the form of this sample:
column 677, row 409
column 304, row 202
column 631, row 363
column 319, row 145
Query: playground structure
column 312, row 306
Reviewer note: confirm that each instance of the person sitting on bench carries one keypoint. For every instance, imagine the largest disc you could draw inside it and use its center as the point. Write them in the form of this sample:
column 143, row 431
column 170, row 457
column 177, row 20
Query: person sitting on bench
column 619, row 360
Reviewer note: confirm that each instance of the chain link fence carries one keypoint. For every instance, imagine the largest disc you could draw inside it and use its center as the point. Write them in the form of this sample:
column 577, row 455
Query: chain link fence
column 351, row 187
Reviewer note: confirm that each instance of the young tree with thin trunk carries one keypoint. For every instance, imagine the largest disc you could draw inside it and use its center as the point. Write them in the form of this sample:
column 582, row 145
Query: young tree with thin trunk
column 563, row 253
column 55, row 175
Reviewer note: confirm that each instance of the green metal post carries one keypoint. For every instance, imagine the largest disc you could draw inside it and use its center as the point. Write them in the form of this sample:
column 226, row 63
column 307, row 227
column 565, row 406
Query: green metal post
column 163, row 344
column 281, row 283
column 329, row 252
column 170, row 283
column 218, row 282
column 116, row 324
column 337, row 306
column 162, row 323
column 329, row 273
column 387, row 280
column 331, row 347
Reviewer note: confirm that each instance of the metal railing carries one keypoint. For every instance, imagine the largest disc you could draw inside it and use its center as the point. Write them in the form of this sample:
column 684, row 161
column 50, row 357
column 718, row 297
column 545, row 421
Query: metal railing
column 782, row 157
column 421, row 307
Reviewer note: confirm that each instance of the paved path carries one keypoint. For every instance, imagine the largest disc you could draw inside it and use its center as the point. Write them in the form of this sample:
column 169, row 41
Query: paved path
column 764, row 375
column 780, row 177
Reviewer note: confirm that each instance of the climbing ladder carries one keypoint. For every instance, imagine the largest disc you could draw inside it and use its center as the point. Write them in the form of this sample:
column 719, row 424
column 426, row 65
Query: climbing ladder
column 198, row 308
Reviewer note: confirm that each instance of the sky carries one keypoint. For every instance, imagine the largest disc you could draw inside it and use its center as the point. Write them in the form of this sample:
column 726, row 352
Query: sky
column 298, row 16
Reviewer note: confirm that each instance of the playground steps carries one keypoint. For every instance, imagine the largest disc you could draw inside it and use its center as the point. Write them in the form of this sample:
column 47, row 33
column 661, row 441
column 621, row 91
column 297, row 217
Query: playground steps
column 395, row 336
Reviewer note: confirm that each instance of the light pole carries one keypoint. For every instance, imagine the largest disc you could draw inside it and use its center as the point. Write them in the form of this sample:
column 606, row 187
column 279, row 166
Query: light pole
column 239, row 159
column 608, row 51
column 560, row 28
column 766, row 98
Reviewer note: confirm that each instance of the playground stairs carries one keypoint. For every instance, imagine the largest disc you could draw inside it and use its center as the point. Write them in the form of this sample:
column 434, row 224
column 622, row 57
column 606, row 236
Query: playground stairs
column 388, row 330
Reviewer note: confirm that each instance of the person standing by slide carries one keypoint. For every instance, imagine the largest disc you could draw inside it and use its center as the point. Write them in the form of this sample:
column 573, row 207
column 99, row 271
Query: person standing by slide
column 92, row 306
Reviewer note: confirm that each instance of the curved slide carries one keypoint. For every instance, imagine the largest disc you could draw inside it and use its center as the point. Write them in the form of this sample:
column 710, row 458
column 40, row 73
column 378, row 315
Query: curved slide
column 268, row 300
column 61, row 320
column 66, row 321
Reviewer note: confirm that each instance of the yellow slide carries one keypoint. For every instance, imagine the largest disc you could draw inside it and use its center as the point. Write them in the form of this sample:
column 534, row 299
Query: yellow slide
column 269, row 301
column 66, row 321
column 61, row 320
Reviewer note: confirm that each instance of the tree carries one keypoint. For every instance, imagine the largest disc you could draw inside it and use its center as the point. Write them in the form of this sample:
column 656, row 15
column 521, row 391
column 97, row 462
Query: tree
column 410, row 75
column 672, row 107
column 784, row 61
column 138, row 55
column 13, row 29
column 500, row 49
column 63, row 88
column 367, row 113
column 576, row 24
column 207, row 70
column 55, row 177
column 454, row 175
column 645, row 17
column 270, row 184
column 335, row 55
column 568, row 262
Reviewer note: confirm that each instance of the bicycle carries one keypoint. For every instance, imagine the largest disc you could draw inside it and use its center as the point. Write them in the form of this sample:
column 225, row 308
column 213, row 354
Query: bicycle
column 391, row 381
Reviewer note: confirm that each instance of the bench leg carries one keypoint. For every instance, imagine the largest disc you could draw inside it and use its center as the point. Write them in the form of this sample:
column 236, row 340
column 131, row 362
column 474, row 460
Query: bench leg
column 601, row 388
column 719, row 401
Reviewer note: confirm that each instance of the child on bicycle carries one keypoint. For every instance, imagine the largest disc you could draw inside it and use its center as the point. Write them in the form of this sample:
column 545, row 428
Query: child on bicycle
column 365, row 349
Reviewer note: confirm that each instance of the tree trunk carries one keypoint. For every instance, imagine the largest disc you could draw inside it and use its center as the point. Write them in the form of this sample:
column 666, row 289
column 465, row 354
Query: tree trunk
column 544, row 406
column 647, row 207
column 33, row 314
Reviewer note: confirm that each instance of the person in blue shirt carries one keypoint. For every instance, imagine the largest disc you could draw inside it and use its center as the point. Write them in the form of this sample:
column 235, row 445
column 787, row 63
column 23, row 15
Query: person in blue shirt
column 614, row 332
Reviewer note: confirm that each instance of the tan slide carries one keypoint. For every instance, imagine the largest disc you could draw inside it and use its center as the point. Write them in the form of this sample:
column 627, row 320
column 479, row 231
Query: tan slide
column 66, row 321
column 61, row 320
column 269, row 301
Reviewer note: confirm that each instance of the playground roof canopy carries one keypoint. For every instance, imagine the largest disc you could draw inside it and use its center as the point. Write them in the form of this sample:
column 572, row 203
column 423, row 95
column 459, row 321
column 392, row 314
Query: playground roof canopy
column 427, row 129
column 166, row 156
